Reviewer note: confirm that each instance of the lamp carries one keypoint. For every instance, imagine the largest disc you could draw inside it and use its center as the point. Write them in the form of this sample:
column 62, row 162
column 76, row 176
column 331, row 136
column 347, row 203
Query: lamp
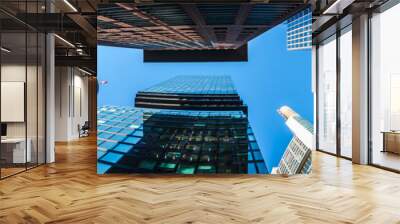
column 70, row 5
column 5, row 50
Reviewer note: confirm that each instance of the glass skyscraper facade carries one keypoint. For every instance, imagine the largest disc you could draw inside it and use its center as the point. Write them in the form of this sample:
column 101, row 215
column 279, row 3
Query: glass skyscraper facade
column 208, row 138
column 195, row 85
column 209, row 93
column 299, row 30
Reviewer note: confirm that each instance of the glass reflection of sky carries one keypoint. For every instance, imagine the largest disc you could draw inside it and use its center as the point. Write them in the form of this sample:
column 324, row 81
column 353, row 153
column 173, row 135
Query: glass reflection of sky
column 117, row 136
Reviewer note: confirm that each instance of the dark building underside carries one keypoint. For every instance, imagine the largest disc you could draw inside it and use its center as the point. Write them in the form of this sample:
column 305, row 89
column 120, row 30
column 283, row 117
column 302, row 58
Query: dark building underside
column 220, row 102
column 190, row 26
column 190, row 31
column 209, row 30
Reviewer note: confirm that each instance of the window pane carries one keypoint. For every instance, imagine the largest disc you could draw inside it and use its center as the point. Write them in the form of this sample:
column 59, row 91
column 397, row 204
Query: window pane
column 385, row 88
column 346, row 94
column 327, row 96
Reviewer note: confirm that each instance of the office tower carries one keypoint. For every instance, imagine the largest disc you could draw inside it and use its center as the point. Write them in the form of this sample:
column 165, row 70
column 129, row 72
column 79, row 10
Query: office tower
column 297, row 156
column 299, row 30
column 212, row 93
column 185, row 125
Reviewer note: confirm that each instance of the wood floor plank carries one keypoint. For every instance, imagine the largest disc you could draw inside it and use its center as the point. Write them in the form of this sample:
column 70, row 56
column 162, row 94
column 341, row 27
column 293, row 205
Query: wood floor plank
column 70, row 191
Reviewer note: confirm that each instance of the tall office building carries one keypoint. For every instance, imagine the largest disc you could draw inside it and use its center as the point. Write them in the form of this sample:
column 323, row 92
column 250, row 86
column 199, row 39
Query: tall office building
column 185, row 125
column 297, row 156
column 212, row 93
column 299, row 30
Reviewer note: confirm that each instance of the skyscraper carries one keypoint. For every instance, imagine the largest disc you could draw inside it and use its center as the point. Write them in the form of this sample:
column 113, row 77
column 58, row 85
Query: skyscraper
column 297, row 156
column 185, row 125
column 211, row 93
column 299, row 30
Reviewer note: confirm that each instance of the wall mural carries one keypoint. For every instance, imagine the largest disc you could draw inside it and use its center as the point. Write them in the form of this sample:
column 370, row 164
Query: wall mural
column 170, row 102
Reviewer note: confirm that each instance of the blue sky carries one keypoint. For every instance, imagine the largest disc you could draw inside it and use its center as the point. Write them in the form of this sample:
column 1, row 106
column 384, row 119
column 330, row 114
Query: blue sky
column 272, row 77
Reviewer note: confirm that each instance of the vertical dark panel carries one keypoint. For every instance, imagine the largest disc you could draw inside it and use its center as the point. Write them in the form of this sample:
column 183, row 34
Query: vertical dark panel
column 0, row 93
column 60, row 95
column 240, row 54
column 26, row 86
column 369, row 96
column 338, row 73
column 73, row 91
column 92, row 100
column 69, row 92
column 317, row 97
column 45, row 90
column 37, row 91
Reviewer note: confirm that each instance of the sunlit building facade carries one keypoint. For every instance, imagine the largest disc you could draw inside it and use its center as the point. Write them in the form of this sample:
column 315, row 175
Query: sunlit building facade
column 297, row 156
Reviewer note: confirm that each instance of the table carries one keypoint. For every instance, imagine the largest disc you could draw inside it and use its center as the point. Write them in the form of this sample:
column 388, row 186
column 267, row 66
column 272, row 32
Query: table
column 391, row 141
column 13, row 150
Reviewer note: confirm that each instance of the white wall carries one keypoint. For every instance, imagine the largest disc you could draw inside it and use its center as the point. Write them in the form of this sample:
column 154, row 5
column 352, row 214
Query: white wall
column 62, row 82
column 81, row 113
column 14, row 72
column 33, row 127
column 71, row 102
column 17, row 72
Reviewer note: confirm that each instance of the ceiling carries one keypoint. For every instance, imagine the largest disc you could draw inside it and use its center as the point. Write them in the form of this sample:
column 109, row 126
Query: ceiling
column 147, row 24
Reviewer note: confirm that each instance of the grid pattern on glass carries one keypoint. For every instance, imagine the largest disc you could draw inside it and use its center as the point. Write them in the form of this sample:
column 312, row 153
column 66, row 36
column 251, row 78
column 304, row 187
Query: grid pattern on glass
column 195, row 85
column 299, row 30
column 118, row 140
column 256, row 163
column 296, row 159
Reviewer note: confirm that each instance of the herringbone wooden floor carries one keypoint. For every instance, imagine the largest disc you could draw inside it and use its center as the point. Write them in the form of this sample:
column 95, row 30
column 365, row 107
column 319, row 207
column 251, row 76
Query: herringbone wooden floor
column 69, row 191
